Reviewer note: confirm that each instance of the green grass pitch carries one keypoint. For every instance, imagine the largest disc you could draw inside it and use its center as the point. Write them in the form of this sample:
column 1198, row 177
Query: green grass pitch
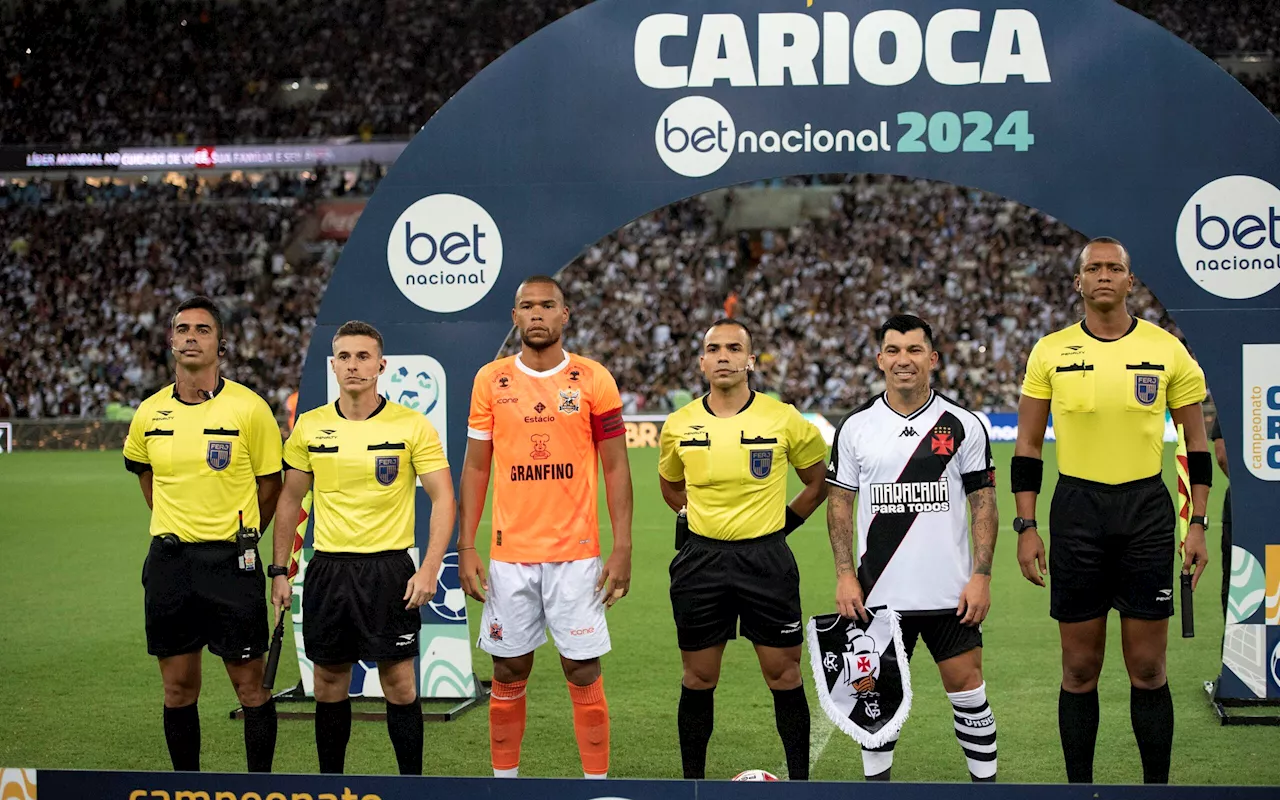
column 79, row 691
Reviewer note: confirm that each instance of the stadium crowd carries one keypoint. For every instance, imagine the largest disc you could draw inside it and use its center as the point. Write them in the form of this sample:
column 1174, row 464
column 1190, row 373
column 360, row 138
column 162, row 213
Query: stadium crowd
column 88, row 270
column 259, row 71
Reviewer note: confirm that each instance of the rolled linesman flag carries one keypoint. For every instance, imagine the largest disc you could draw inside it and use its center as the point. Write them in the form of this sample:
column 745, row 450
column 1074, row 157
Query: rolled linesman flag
column 1184, row 526
column 277, row 635
column 863, row 680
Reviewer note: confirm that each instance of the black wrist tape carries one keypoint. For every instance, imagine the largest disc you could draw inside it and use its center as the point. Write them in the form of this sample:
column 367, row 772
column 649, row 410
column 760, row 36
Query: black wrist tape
column 794, row 521
column 1200, row 468
column 1026, row 474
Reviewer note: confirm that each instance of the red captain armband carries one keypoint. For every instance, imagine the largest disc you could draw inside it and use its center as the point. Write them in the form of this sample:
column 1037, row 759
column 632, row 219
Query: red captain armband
column 607, row 426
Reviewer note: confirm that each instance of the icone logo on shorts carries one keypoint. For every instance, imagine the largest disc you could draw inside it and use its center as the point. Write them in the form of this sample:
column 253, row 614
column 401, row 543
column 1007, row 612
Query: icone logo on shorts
column 1228, row 237
column 445, row 253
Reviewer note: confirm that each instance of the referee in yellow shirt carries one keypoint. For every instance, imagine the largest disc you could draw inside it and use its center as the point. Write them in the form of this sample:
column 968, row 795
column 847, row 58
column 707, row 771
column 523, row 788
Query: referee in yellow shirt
column 1108, row 380
column 724, row 459
column 363, row 456
column 206, row 449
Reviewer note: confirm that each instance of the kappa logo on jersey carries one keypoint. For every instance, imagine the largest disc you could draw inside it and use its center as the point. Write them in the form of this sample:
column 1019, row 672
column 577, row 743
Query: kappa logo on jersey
column 942, row 443
column 908, row 431
column 761, row 463
column 218, row 456
column 1146, row 388
column 569, row 400
column 540, row 445
column 386, row 469
column 919, row 497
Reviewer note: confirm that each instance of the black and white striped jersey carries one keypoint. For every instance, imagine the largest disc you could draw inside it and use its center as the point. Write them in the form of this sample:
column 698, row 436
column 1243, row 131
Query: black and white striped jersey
column 912, row 475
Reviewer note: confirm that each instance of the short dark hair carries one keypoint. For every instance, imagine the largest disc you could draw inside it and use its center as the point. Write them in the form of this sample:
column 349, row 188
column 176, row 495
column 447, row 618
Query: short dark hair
column 204, row 304
column 543, row 279
column 720, row 323
column 1101, row 240
column 904, row 323
column 357, row 328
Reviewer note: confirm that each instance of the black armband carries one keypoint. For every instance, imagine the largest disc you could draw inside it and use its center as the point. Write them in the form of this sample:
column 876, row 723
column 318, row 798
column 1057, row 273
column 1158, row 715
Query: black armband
column 136, row 467
column 794, row 521
column 1025, row 474
column 1200, row 468
column 982, row 479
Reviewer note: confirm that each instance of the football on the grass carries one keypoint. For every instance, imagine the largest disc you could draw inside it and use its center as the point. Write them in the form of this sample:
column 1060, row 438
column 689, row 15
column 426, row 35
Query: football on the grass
column 755, row 775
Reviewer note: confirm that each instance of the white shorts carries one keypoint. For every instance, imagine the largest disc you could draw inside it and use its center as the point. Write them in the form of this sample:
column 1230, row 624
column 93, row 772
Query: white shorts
column 525, row 599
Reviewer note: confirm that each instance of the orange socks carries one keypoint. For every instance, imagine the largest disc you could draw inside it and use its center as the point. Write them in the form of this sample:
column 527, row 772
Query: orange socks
column 591, row 726
column 506, row 725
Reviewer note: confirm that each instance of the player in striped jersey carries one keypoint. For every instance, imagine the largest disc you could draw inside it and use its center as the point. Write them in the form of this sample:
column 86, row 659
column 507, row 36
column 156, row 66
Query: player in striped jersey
column 910, row 456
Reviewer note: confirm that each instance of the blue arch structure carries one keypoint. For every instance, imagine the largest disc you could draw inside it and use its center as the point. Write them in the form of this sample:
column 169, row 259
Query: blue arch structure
column 1083, row 110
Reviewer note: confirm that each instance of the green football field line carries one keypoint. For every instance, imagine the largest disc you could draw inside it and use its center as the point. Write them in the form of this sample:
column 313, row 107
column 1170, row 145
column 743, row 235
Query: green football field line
column 79, row 690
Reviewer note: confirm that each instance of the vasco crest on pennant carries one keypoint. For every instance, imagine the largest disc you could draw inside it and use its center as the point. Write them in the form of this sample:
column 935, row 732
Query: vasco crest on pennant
column 862, row 679
column 761, row 463
column 218, row 456
column 1146, row 388
column 386, row 468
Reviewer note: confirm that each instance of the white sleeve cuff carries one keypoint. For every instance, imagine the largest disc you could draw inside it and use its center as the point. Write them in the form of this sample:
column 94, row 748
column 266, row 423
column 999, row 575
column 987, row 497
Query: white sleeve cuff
column 483, row 436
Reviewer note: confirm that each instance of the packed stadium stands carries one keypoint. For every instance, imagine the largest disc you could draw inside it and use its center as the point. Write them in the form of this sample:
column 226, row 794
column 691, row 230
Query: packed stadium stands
column 88, row 269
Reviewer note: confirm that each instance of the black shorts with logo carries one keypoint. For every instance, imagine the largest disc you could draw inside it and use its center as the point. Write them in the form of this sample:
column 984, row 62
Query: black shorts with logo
column 1111, row 546
column 353, row 608
column 942, row 633
column 715, row 583
column 197, row 595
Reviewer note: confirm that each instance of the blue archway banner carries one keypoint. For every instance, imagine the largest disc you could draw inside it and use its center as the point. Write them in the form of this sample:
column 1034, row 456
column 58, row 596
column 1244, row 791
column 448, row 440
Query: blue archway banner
column 1083, row 110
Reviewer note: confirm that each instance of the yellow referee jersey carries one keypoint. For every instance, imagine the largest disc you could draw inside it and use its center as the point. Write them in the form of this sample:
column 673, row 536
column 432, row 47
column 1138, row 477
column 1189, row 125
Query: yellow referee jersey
column 205, row 460
column 1109, row 397
column 735, row 468
column 364, row 474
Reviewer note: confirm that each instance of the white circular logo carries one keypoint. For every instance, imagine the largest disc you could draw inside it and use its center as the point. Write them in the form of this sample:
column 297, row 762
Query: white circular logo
column 445, row 253
column 1229, row 237
column 695, row 136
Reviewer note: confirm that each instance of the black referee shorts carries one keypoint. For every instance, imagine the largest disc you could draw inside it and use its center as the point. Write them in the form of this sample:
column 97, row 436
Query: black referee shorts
column 1111, row 546
column 196, row 595
column 942, row 633
column 715, row 583
column 353, row 608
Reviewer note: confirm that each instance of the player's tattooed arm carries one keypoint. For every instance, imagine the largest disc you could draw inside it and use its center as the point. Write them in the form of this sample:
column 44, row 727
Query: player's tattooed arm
column 840, row 528
column 985, row 522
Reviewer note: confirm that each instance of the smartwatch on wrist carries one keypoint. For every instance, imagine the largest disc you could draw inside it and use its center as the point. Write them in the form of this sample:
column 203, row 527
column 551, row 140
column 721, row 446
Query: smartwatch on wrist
column 277, row 572
column 1020, row 524
column 1202, row 521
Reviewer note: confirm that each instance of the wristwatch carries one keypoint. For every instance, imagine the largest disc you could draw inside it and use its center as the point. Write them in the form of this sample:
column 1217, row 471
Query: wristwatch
column 1020, row 524
column 1201, row 521
column 277, row 572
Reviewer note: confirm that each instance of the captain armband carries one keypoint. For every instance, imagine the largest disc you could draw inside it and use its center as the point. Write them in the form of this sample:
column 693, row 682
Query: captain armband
column 1200, row 468
column 1026, row 474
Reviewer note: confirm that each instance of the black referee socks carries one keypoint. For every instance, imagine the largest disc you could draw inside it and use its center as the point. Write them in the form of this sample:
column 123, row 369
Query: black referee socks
column 791, row 710
column 260, row 736
column 404, row 725
column 333, row 731
column 1078, row 728
column 1151, row 711
column 696, row 719
column 182, row 734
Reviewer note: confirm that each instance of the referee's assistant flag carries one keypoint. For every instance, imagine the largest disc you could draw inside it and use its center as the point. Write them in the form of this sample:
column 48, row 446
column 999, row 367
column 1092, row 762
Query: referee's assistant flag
column 862, row 677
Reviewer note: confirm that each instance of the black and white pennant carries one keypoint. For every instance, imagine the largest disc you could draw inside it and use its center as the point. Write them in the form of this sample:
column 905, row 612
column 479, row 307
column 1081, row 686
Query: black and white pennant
column 863, row 679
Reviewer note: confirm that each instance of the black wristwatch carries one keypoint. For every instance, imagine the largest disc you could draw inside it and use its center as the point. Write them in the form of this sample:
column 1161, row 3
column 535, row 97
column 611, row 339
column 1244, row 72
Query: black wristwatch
column 277, row 572
column 1020, row 524
column 1201, row 521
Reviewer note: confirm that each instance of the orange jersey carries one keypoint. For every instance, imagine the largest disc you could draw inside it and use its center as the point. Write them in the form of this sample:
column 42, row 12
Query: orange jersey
column 545, row 427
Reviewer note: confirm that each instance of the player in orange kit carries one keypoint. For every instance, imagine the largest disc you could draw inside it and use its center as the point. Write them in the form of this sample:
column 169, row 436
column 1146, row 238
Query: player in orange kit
column 543, row 416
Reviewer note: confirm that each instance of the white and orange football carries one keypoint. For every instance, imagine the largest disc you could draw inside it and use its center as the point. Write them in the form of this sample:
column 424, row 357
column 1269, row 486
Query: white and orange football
column 755, row 775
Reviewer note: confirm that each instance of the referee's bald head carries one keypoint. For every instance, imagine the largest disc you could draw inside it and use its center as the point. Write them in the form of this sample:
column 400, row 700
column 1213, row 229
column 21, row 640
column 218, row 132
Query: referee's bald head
column 1084, row 257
